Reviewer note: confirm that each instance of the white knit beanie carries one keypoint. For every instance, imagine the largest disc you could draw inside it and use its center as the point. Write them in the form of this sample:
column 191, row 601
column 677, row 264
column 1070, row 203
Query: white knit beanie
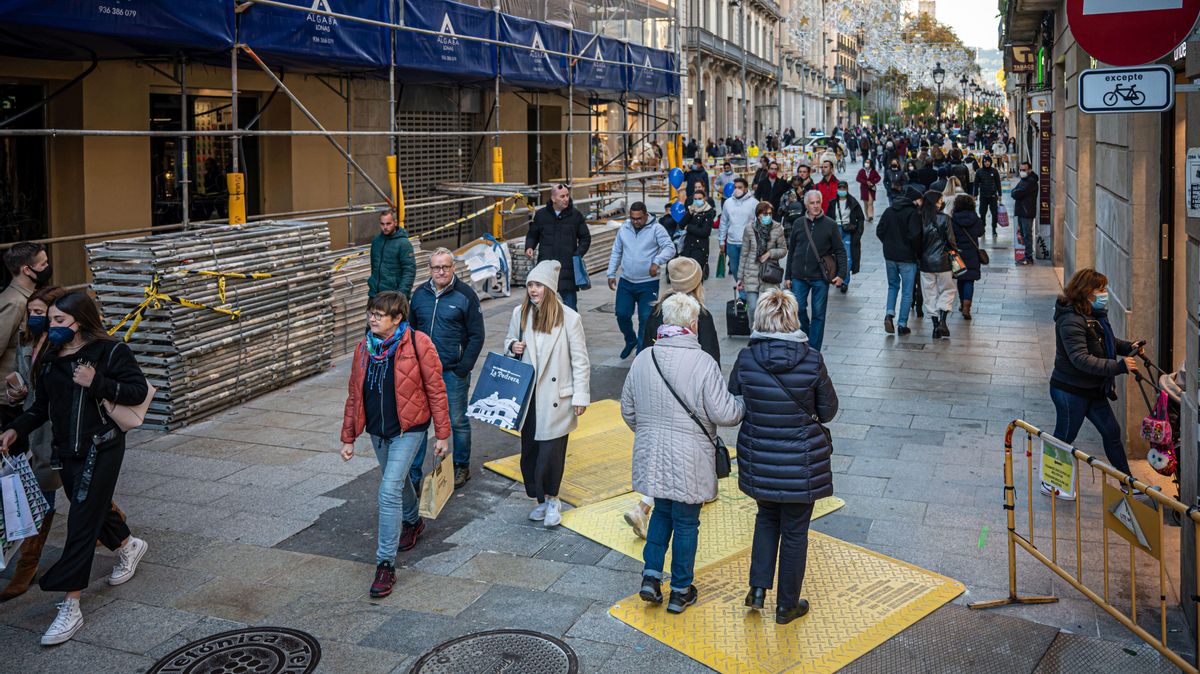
column 545, row 273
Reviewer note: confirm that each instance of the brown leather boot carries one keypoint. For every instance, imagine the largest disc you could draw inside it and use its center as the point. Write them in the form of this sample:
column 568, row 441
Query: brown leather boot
column 27, row 565
column 966, row 310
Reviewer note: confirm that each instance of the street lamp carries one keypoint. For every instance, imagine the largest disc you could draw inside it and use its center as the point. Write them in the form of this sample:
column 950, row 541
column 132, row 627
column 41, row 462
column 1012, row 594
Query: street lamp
column 939, row 76
column 962, row 83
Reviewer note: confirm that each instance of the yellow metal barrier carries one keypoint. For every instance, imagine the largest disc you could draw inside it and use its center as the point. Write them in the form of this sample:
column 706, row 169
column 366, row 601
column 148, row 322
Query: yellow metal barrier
column 1139, row 524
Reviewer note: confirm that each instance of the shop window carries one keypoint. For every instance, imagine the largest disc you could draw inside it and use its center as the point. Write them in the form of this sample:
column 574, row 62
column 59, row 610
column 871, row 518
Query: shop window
column 23, row 208
column 209, row 158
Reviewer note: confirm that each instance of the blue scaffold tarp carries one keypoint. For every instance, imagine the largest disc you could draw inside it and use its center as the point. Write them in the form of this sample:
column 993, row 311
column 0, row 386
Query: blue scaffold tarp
column 533, row 68
column 76, row 29
column 647, row 82
column 447, row 57
column 304, row 40
column 605, row 74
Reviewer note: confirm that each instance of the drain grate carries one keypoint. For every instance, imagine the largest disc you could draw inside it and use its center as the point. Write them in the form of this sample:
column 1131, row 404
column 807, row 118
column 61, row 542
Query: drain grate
column 255, row 650
column 500, row 651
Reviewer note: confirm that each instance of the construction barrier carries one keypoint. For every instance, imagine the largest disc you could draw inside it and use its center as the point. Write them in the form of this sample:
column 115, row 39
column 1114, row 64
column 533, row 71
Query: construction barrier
column 1125, row 511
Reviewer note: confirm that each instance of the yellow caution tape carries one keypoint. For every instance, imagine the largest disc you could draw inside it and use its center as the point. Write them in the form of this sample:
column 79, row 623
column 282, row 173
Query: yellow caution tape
column 154, row 299
column 341, row 261
column 222, row 275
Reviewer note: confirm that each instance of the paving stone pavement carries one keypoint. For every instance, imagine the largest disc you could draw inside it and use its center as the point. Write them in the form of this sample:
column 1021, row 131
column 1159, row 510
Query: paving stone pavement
column 253, row 519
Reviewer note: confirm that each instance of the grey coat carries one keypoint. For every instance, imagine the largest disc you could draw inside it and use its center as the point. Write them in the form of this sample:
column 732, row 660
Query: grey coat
column 672, row 458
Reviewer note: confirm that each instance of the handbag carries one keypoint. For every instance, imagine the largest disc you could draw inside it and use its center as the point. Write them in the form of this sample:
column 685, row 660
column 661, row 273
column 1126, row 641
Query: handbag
column 803, row 410
column 770, row 272
column 24, row 507
column 1156, row 428
column 957, row 266
column 127, row 417
column 582, row 282
column 723, row 463
column 828, row 263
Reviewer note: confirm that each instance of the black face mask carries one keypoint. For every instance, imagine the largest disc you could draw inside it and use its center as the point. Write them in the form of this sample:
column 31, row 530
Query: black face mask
column 41, row 278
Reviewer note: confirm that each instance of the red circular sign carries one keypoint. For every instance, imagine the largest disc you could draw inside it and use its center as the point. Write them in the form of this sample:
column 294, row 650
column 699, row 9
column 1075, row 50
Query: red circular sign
column 1131, row 33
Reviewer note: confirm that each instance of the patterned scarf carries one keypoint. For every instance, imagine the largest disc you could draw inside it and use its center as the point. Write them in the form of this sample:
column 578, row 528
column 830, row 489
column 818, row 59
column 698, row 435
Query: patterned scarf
column 665, row 331
column 379, row 353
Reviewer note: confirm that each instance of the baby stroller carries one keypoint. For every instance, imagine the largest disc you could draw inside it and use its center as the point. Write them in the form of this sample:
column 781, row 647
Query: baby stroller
column 1164, row 458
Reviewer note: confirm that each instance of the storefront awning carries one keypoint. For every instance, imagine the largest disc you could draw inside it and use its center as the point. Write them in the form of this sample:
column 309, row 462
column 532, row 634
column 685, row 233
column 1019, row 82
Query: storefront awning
column 533, row 68
column 446, row 58
column 307, row 41
column 647, row 82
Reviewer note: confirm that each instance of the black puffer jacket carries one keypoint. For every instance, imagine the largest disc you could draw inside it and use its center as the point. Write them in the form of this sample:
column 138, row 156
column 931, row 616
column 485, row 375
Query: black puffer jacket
column 987, row 182
column 899, row 229
column 1080, row 363
column 783, row 454
column 937, row 239
column 560, row 237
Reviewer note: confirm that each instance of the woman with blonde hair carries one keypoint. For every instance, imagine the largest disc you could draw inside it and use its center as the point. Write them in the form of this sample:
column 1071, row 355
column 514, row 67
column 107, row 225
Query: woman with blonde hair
column 549, row 335
column 784, row 450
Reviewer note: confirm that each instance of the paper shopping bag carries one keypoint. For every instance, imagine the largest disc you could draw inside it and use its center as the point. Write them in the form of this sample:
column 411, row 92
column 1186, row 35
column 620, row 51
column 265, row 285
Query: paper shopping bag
column 502, row 392
column 1002, row 215
column 22, row 506
column 437, row 488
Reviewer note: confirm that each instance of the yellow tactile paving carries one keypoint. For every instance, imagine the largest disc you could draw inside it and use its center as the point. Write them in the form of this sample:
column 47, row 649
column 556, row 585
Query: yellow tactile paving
column 726, row 525
column 599, row 457
column 859, row 600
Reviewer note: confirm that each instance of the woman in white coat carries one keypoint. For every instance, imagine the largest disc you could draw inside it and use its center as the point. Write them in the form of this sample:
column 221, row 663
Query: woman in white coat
column 674, row 460
column 549, row 335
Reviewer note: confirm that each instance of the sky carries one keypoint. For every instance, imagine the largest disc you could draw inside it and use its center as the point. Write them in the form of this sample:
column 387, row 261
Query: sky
column 975, row 21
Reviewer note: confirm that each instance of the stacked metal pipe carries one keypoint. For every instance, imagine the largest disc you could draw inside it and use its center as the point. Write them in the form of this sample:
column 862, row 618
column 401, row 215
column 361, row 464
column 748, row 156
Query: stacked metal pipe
column 207, row 337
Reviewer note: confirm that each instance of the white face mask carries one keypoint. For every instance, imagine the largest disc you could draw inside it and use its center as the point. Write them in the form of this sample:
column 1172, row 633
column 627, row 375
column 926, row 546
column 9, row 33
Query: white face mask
column 1024, row 174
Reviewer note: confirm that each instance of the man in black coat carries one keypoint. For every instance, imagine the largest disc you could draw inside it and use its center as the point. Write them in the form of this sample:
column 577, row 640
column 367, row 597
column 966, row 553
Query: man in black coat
column 814, row 236
column 987, row 189
column 1025, row 198
column 560, row 232
column 772, row 187
column 899, row 230
column 697, row 174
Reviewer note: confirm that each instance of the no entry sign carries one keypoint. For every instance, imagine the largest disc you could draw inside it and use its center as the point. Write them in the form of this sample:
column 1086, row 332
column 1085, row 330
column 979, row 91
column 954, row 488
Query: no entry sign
column 1131, row 32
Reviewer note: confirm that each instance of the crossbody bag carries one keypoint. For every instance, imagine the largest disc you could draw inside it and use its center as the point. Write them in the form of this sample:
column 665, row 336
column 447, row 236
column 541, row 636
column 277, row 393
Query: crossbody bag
column 827, row 263
column 723, row 462
column 803, row 409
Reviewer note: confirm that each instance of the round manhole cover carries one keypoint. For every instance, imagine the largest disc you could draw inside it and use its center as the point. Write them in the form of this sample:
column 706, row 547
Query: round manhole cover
column 255, row 650
column 500, row 651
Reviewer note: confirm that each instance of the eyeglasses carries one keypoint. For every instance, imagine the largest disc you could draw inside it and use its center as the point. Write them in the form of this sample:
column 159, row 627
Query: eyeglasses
column 376, row 316
column 441, row 267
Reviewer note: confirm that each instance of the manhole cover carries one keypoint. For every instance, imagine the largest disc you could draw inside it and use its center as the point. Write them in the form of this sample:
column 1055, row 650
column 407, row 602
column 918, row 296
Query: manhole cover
column 256, row 650
column 500, row 651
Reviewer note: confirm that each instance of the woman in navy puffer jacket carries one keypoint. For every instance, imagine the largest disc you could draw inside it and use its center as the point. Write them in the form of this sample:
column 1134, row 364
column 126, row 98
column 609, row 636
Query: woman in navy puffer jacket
column 783, row 450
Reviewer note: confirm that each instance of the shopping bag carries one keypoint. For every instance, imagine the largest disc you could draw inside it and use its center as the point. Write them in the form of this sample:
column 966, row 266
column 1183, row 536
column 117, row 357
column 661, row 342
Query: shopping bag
column 22, row 506
column 721, row 265
column 436, row 488
column 1002, row 215
column 582, row 282
column 501, row 395
column 1018, row 249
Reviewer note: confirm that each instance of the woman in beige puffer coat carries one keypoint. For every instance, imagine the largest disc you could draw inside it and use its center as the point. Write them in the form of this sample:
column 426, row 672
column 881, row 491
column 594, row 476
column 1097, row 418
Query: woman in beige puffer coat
column 763, row 240
column 673, row 457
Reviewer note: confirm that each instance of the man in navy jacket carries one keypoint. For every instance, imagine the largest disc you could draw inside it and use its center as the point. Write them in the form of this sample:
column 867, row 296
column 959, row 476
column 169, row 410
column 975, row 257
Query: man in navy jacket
column 447, row 310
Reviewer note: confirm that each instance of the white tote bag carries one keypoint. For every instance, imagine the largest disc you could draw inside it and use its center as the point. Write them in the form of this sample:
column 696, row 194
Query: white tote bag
column 18, row 516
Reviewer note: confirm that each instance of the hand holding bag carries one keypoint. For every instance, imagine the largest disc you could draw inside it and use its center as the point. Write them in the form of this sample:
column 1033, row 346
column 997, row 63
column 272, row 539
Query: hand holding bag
column 24, row 507
column 437, row 488
column 723, row 463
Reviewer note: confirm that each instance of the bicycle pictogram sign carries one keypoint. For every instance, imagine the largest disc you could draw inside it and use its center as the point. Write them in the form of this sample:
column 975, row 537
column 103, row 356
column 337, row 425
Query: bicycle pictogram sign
column 1129, row 94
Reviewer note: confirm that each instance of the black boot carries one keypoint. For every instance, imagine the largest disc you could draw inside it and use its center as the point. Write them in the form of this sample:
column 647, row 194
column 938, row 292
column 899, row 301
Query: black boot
column 945, row 324
column 755, row 597
column 937, row 330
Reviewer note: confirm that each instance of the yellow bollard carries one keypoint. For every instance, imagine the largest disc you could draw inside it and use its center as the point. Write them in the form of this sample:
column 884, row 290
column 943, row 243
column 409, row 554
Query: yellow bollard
column 397, row 189
column 670, row 165
column 236, row 183
column 497, row 177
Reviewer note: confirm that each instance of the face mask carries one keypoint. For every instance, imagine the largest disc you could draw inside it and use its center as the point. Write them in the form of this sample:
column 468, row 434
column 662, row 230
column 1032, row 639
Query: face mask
column 895, row 166
column 764, row 219
column 41, row 278
column 1024, row 174
column 37, row 325
column 697, row 202
column 773, row 174
column 842, row 193
column 60, row 334
column 1101, row 302
column 739, row 193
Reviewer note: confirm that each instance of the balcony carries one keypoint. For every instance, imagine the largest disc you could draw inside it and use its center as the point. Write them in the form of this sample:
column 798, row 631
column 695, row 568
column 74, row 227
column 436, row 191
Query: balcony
column 705, row 42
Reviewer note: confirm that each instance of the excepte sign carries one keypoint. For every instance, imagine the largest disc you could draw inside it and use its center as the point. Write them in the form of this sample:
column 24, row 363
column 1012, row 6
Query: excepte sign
column 1138, row 89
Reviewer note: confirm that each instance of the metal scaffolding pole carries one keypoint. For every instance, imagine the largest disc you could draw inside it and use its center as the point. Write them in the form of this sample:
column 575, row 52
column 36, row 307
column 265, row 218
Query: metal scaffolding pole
column 233, row 104
column 183, row 142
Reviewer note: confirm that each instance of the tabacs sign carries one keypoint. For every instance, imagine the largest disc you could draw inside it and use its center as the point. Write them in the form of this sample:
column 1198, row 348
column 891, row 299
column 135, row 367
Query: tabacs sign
column 1024, row 58
column 1136, row 89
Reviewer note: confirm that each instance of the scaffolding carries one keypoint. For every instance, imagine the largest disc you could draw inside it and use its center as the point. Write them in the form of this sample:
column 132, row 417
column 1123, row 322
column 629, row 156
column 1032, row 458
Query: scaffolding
column 600, row 176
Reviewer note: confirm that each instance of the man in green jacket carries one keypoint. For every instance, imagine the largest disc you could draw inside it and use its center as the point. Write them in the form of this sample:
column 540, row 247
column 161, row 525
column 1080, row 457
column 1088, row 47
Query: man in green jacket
column 393, row 266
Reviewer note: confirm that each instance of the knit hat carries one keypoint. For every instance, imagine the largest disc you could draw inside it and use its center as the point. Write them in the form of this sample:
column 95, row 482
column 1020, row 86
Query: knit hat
column 829, row 157
column 684, row 273
column 545, row 273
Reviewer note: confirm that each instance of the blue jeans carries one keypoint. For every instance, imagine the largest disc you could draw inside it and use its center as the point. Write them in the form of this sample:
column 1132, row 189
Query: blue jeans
column 456, row 395
column 733, row 254
column 966, row 290
column 643, row 296
column 397, row 499
column 677, row 524
column 814, row 328
column 570, row 298
column 1026, row 225
column 1072, row 409
column 901, row 278
column 846, row 241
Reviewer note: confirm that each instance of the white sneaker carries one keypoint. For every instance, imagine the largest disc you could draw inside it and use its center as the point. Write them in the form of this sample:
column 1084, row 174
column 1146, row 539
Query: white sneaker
column 65, row 625
column 539, row 513
column 128, row 556
column 553, row 513
column 638, row 518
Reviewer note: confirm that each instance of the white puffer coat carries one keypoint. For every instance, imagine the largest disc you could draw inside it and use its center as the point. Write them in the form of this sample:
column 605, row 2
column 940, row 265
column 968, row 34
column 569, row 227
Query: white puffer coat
column 672, row 458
